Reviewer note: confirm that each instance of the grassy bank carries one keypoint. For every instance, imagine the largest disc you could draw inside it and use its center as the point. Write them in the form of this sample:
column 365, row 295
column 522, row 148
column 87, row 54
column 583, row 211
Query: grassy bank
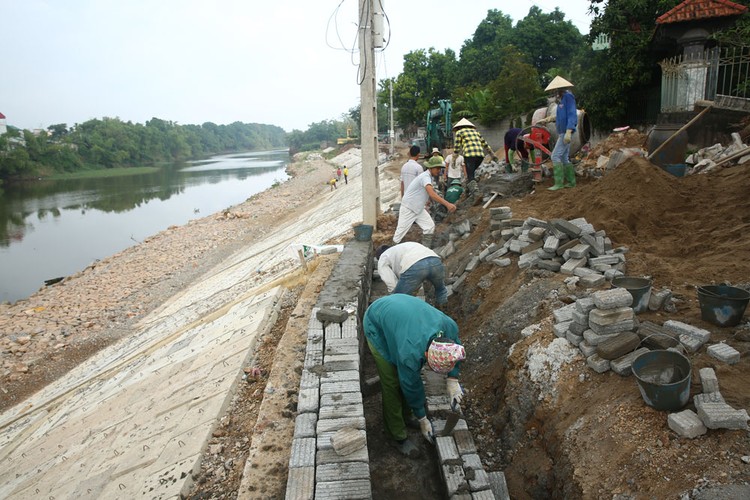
column 102, row 173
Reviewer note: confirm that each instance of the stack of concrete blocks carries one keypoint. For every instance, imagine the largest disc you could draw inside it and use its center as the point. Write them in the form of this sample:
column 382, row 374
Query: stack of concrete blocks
column 460, row 230
column 460, row 465
column 601, row 326
column 713, row 411
column 330, row 400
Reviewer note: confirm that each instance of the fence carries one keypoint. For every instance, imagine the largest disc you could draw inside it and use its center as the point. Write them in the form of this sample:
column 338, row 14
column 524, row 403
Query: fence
column 713, row 74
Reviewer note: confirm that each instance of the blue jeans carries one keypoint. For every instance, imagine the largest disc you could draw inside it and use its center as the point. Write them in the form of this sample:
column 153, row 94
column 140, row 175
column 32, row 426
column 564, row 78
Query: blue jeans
column 429, row 268
column 561, row 153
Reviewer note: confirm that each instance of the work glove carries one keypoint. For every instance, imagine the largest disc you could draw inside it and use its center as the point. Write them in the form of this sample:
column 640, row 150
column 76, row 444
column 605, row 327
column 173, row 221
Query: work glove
column 427, row 431
column 568, row 134
column 455, row 392
column 546, row 120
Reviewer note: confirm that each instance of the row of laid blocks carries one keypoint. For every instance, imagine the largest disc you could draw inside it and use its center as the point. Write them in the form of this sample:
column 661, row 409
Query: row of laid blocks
column 330, row 402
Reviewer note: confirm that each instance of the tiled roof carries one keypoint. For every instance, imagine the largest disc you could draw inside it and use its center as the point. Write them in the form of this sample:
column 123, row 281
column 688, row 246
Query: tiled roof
column 2, row 116
column 691, row 10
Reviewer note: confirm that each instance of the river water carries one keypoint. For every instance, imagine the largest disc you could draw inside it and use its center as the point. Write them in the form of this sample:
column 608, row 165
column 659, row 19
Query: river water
column 51, row 229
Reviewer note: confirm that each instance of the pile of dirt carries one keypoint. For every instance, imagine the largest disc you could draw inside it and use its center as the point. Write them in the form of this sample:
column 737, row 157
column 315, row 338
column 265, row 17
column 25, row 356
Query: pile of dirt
column 596, row 438
column 629, row 139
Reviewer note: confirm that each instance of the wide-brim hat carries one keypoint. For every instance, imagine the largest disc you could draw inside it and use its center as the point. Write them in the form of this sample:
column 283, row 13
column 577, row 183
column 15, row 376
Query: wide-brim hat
column 463, row 122
column 435, row 150
column 434, row 162
column 558, row 83
column 443, row 354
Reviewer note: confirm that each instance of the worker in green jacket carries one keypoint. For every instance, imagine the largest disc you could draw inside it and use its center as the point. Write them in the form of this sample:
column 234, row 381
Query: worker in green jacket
column 403, row 333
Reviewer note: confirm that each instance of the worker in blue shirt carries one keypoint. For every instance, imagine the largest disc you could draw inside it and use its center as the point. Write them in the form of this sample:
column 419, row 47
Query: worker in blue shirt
column 566, row 120
column 404, row 333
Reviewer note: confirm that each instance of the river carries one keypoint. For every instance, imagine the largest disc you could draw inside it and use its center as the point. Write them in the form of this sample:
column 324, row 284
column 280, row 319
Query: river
column 51, row 229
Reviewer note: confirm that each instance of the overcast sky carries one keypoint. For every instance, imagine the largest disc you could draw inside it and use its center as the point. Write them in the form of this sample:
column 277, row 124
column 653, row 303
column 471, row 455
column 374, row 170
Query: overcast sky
column 285, row 62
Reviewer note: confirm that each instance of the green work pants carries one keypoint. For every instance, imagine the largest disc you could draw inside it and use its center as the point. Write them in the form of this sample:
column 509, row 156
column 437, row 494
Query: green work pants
column 395, row 409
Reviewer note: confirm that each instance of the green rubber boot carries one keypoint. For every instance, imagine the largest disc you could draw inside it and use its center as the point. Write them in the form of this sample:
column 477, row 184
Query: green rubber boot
column 512, row 158
column 570, row 175
column 559, row 173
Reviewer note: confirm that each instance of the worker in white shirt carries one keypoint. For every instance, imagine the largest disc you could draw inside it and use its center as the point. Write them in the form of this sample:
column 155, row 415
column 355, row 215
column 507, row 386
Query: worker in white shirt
column 405, row 266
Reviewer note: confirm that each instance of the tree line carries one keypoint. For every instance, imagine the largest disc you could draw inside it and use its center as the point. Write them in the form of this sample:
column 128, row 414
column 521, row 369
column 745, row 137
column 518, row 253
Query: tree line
column 110, row 143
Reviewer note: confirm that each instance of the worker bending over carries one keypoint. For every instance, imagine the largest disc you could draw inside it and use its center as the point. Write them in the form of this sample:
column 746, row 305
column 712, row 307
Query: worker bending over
column 405, row 266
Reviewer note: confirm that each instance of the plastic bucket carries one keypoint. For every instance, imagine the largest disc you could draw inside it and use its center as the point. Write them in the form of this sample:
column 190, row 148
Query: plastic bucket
column 722, row 305
column 663, row 378
column 363, row 232
column 677, row 170
column 639, row 288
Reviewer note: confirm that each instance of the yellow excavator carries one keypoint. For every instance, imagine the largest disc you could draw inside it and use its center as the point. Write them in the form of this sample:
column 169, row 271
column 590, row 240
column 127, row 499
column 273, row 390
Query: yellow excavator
column 348, row 139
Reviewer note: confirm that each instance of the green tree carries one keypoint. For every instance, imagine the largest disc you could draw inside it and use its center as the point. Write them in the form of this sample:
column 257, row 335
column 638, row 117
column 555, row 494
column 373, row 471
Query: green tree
column 515, row 91
column 548, row 40
column 478, row 64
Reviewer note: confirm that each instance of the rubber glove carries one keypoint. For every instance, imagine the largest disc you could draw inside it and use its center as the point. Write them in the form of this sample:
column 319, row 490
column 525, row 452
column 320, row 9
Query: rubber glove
column 426, row 427
column 454, row 391
column 568, row 133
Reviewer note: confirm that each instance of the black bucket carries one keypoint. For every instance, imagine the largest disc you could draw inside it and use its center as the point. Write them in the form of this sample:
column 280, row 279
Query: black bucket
column 722, row 305
column 363, row 232
column 639, row 288
column 663, row 378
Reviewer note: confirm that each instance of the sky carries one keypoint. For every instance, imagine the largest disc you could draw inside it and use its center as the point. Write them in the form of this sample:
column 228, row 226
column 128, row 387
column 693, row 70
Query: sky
column 288, row 63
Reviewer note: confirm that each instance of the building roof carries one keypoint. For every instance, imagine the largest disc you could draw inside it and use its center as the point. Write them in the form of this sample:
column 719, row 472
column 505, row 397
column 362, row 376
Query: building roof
column 692, row 10
column 2, row 116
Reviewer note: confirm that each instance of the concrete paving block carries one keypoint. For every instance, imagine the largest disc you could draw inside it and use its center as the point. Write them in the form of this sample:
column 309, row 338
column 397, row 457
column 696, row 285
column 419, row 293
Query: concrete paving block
column 340, row 376
column 343, row 470
column 724, row 352
column 582, row 318
column 654, row 336
column 571, row 265
column 300, row 484
column 586, row 349
column 341, row 399
column 622, row 326
column 335, row 424
column 584, row 225
column 614, row 298
column 580, row 251
column 709, row 381
column 623, row 365
column 585, row 305
column 686, row 424
column 343, row 346
column 533, row 222
column 618, row 345
column 577, row 328
column 313, row 359
column 607, row 260
column 566, row 227
column 438, row 425
column 722, row 416
column 437, row 404
column 607, row 317
column 473, row 263
column 573, row 338
column 348, row 440
column 304, row 425
column 324, row 457
column 349, row 328
column 548, row 265
column 497, row 254
column 498, row 485
column 308, row 400
column 527, row 261
column 584, row 271
column 338, row 387
column 564, row 313
column 341, row 411
column 534, row 246
column 501, row 262
column 478, row 479
column 483, row 495
column 332, row 332
column 681, row 328
column 561, row 329
column 455, row 479
column 447, row 450
column 343, row 490
column 551, row 244
column 592, row 280
column 464, row 442
column 517, row 245
column 690, row 343
column 471, row 461
column 302, row 453
column 598, row 364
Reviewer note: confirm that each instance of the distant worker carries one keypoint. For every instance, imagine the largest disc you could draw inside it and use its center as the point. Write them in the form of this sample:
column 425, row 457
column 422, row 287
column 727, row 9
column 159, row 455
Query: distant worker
column 413, row 206
column 566, row 120
column 469, row 143
column 455, row 168
column 454, row 191
column 404, row 267
column 404, row 333
column 338, row 173
column 332, row 182
column 513, row 143
column 411, row 169
column 435, row 156
column 346, row 175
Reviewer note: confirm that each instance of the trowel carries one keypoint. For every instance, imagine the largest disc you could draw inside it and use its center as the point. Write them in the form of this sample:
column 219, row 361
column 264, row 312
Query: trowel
column 453, row 417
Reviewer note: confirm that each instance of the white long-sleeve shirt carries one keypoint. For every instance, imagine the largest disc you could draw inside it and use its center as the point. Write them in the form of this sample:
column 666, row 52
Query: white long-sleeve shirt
column 397, row 259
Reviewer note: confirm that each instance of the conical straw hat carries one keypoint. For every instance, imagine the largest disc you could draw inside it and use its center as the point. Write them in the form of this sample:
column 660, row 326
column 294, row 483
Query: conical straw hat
column 558, row 83
column 463, row 123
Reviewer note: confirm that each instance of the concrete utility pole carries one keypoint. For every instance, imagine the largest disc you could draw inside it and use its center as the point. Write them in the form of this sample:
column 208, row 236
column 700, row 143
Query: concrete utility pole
column 369, row 124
